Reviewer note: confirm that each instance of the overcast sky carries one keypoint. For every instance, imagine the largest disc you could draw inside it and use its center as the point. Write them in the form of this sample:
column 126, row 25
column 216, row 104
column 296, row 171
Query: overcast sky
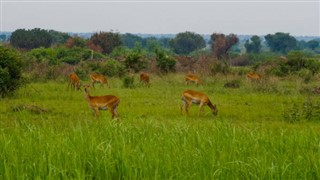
column 164, row 16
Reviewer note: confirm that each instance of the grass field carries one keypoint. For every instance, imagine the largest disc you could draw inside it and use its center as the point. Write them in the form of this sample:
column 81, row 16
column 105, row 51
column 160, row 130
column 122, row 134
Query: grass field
column 262, row 131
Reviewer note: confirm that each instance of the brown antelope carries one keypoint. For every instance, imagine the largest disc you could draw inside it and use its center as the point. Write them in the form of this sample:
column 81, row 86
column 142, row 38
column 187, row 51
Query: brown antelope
column 107, row 102
column 253, row 76
column 99, row 78
column 144, row 78
column 190, row 96
column 74, row 81
column 191, row 77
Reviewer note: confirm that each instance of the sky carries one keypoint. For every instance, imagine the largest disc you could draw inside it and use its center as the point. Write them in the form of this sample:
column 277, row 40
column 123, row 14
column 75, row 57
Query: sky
column 250, row 17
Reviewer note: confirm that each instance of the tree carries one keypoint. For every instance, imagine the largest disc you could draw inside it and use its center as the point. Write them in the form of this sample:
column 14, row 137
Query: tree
column 58, row 37
column 10, row 70
column 104, row 42
column 221, row 44
column 254, row 46
column 76, row 42
column 129, row 40
column 185, row 43
column 281, row 42
column 313, row 44
column 29, row 39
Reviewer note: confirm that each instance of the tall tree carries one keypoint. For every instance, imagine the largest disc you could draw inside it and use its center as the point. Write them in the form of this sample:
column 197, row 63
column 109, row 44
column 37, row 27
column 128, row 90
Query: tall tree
column 281, row 42
column 186, row 42
column 130, row 40
column 253, row 46
column 105, row 42
column 29, row 39
column 221, row 44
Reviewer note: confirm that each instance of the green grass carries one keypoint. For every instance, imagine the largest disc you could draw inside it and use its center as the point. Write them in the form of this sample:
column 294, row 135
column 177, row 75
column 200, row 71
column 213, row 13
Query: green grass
column 249, row 139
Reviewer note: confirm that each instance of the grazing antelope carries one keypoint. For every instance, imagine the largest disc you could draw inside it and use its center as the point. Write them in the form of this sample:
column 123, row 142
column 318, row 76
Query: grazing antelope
column 190, row 96
column 191, row 77
column 144, row 78
column 253, row 76
column 74, row 81
column 107, row 102
column 99, row 78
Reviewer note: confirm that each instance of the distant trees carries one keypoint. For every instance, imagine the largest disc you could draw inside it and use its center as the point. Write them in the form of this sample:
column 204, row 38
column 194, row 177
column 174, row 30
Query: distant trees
column 105, row 42
column 58, row 37
column 253, row 46
column 130, row 40
column 221, row 44
column 186, row 42
column 281, row 42
column 29, row 39
column 313, row 44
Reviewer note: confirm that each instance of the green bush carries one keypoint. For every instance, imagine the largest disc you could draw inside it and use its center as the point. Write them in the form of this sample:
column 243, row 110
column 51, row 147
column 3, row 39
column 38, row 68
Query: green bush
column 112, row 68
column 135, row 61
column 164, row 62
column 10, row 71
column 61, row 54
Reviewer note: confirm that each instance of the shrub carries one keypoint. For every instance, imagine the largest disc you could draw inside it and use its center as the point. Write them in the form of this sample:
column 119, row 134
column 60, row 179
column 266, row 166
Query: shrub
column 135, row 61
column 164, row 62
column 10, row 71
column 112, row 68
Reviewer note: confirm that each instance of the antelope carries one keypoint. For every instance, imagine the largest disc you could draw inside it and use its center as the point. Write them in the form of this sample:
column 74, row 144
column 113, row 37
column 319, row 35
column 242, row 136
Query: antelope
column 95, row 77
column 74, row 81
column 144, row 78
column 107, row 102
column 253, row 76
column 190, row 96
column 193, row 78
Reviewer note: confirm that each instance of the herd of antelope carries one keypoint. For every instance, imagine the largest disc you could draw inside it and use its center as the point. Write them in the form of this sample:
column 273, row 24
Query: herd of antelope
column 111, row 102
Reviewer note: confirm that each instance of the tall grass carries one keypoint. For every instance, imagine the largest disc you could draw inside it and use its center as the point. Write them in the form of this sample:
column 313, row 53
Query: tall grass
column 249, row 139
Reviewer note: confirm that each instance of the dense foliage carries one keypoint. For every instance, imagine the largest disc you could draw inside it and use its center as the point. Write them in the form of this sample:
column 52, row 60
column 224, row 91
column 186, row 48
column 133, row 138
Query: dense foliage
column 29, row 39
column 10, row 71
column 68, row 55
column 281, row 42
column 187, row 42
column 254, row 46
column 105, row 42
column 164, row 62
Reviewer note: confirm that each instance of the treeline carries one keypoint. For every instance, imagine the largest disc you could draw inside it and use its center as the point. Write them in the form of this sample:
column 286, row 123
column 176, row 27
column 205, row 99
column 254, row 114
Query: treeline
column 182, row 44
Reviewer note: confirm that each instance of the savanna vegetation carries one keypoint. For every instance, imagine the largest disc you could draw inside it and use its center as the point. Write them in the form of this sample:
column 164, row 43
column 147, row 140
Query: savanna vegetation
column 266, row 127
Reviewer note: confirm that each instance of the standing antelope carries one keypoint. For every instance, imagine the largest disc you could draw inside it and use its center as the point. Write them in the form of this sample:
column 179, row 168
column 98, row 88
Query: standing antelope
column 193, row 78
column 253, row 76
column 74, row 81
column 144, row 78
column 99, row 78
column 190, row 96
column 107, row 102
